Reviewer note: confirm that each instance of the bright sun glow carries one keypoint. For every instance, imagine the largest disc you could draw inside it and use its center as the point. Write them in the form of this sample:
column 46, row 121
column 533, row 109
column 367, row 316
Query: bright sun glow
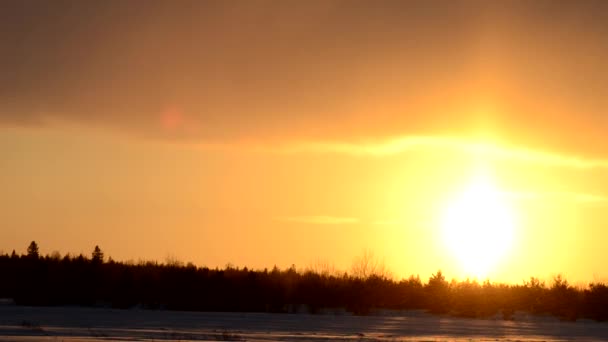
column 478, row 227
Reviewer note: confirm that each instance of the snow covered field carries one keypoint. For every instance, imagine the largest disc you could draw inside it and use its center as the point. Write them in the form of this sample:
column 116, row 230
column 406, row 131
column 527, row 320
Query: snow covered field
column 93, row 325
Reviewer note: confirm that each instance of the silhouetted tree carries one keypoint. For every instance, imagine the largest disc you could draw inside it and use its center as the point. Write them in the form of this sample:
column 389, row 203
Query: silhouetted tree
column 438, row 293
column 595, row 303
column 534, row 296
column 563, row 299
column 32, row 250
column 79, row 280
column 97, row 256
column 367, row 265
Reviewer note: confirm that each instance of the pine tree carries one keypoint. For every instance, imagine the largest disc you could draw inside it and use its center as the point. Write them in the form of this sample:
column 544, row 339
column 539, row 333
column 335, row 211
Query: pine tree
column 97, row 256
column 32, row 250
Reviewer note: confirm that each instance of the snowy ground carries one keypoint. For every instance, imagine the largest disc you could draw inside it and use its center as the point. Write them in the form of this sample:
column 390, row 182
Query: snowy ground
column 95, row 325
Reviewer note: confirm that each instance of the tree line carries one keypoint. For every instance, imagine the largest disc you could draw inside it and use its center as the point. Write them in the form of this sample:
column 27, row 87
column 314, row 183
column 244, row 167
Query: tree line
column 33, row 279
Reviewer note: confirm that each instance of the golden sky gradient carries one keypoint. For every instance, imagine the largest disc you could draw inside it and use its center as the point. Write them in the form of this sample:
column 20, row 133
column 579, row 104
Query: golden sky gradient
column 272, row 132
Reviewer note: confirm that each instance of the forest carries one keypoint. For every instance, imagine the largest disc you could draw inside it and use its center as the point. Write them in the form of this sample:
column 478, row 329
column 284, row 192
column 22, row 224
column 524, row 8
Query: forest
column 54, row 280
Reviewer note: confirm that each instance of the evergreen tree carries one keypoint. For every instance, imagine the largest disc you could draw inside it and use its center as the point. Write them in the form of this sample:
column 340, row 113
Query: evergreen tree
column 32, row 250
column 97, row 256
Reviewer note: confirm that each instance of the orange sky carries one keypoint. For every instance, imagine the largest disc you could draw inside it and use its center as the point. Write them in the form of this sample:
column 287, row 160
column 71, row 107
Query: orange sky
column 270, row 132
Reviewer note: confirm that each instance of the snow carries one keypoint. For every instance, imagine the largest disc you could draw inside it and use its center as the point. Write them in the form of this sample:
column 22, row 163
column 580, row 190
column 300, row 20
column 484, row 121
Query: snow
column 22, row 324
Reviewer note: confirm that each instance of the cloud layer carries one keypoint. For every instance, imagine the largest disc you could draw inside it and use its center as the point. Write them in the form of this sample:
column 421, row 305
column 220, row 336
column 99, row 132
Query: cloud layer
column 217, row 71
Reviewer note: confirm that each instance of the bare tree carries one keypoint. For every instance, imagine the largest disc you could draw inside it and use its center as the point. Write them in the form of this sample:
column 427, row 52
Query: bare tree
column 367, row 265
column 323, row 267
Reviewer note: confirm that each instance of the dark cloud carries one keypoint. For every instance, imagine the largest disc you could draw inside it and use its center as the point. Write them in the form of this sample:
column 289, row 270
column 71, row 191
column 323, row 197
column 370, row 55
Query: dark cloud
column 226, row 70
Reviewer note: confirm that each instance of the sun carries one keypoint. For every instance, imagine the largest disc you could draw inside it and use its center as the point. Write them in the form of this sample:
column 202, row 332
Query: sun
column 478, row 226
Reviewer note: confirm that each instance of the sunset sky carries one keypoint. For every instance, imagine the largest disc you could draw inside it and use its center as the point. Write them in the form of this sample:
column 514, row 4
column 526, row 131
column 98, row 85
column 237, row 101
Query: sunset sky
column 300, row 132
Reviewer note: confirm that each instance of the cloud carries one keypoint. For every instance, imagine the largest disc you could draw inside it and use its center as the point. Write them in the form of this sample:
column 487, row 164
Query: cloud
column 568, row 196
column 444, row 143
column 321, row 219
column 219, row 72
